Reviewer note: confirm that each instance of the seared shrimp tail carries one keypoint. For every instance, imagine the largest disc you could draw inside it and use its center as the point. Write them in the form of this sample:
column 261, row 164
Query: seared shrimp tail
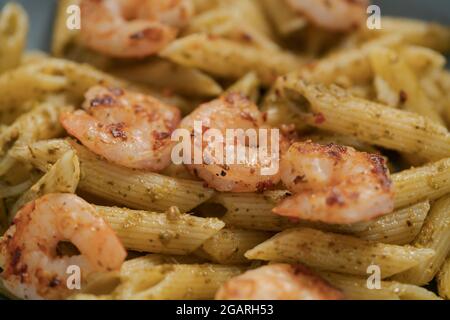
column 132, row 28
column 278, row 282
column 334, row 184
column 33, row 268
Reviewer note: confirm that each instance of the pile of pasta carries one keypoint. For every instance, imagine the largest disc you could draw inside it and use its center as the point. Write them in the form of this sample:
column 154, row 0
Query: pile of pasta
column 384, row 91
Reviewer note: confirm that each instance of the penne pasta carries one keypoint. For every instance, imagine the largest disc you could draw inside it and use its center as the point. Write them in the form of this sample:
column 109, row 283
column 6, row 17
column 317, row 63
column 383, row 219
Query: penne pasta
column 355, row 288
column 228, row 246
column 176, row 282
column 132, row 188
column 443, row 280
column 416, row 32
column 338, row 253
column 151, row 260
column 400, row 227
column 232, row 23
column 248, row 86
column 254, row 211
column 24, row 84
column 397, row 74
column 166, row 233
column 42, row 122
column 229, row 59
column 63, row 177
column 165, row 75
column 13, row 35
column 347, row 67
column 332, row 108
column 435, row 235
column 426, row 182
column 285, row 20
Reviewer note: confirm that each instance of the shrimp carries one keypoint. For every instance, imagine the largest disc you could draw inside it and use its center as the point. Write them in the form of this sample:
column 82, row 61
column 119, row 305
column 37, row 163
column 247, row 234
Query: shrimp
column 233, row 112
column 132, row 28
column 278, row 282
column 334, row 184
column 129, row 129
column 334, row 15
column 33, row 269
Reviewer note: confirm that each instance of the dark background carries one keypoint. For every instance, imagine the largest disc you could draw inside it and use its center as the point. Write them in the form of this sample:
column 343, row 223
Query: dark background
column 41, row 13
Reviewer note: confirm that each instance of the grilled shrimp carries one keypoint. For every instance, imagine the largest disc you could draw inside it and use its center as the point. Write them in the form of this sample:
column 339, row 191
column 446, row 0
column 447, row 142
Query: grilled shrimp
column 129, row 129
column 278, row 282
column 33, row 269
column 236, row 112
column 335, row 15
column 132, row 28
column 334, row 184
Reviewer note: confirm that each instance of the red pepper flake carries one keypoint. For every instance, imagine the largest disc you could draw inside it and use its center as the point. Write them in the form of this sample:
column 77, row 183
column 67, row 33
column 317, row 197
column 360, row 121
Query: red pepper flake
column 319, row 118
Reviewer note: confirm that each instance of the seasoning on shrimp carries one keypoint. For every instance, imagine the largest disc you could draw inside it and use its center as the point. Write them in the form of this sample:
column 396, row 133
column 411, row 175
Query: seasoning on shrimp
column 334, row 184
column 278, row 282
column 334, row 15
column 32, row 267
column 129, row 129
column 132, row 28
column 233, row 112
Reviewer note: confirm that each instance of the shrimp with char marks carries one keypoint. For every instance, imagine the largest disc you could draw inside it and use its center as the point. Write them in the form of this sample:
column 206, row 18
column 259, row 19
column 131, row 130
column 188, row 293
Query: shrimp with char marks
column 132, row 28
column 278, row 282
column 129, row 129
column 32, row 267
column 334, row 184
column 235, row 112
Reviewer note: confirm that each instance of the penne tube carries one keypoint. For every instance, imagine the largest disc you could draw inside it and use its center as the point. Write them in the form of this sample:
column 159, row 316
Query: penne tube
column 176, row 282
column 13, row 35
column 434, row 235
column 400, row 227
column 229, row 59
column 332, row 108
column 165, row 75
column 284, row 18
column 443, row 280
column 42, row 122
column 231, row 23
column 228, row 246
column 338, row 253
column 24, row 84
column 166, row 233
column 347, row 67
column 426, row 182
column 356, row 288
column 151, row 260
column 132, row 188
column 254, row 211
column 248, row 86
column 416, row 32
column 63, row 177
column 392, row 68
